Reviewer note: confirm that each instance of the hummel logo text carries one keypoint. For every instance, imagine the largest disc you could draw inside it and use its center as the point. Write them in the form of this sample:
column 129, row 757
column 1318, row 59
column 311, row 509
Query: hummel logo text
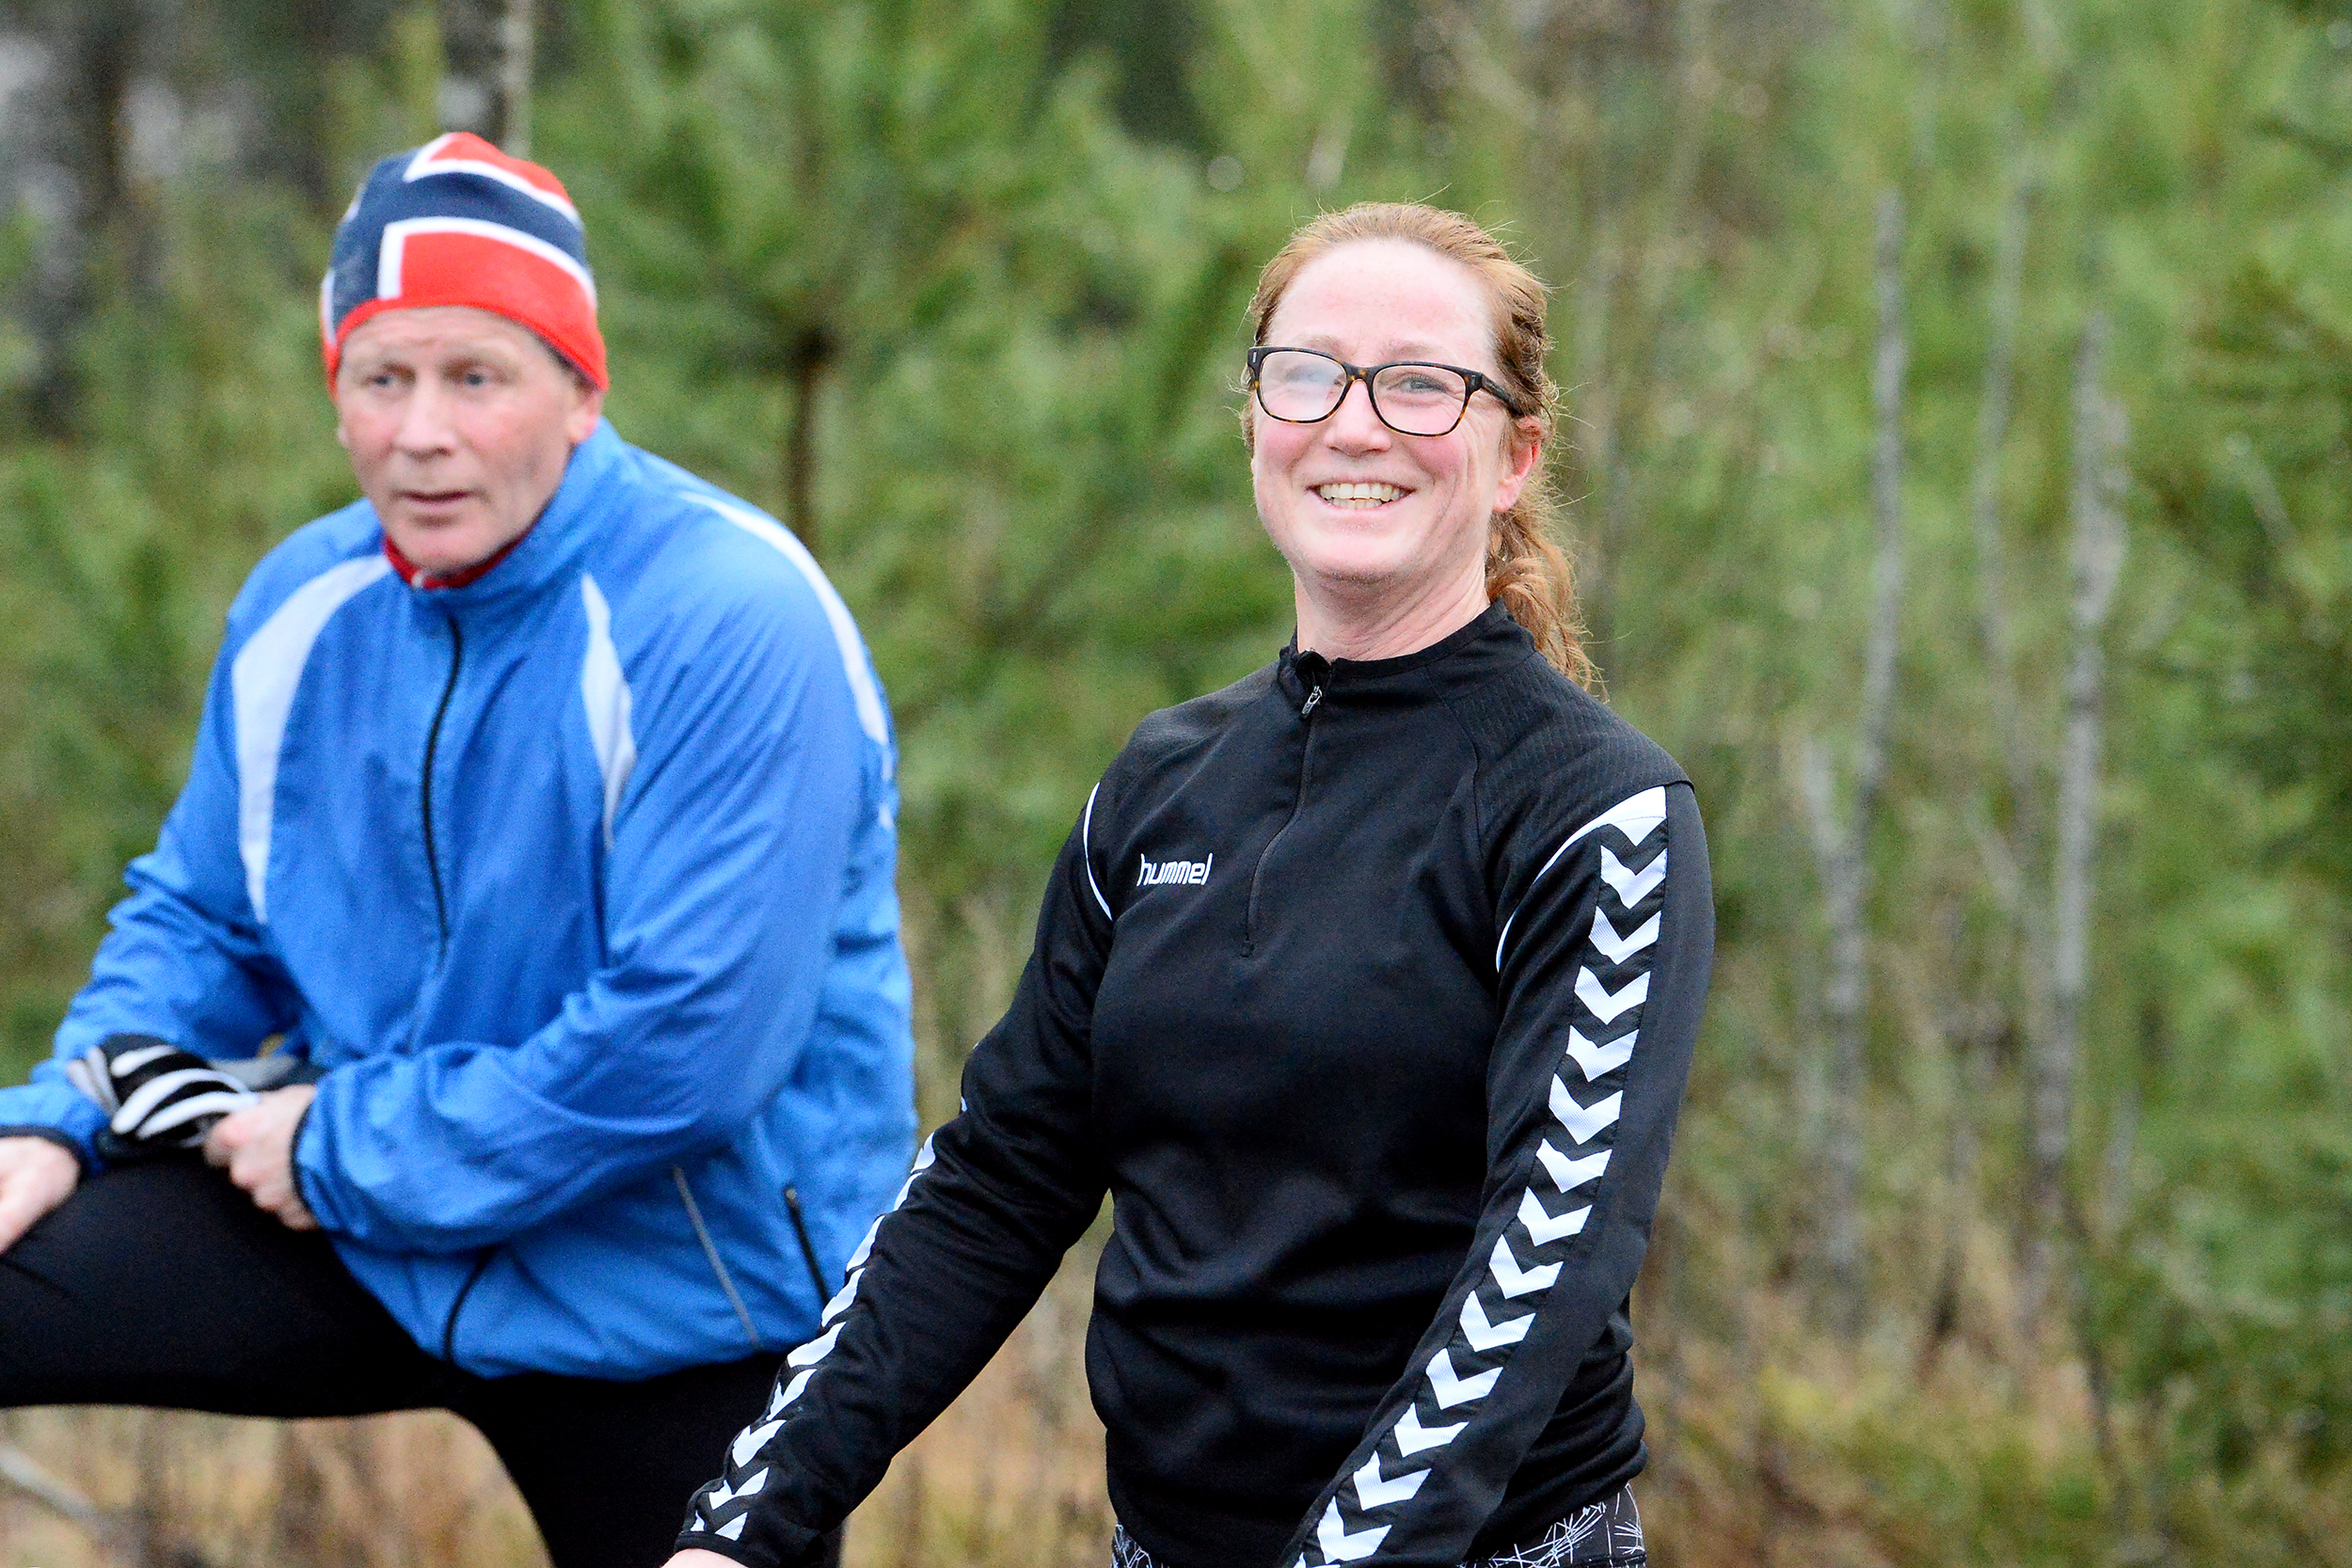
column 1173, row 871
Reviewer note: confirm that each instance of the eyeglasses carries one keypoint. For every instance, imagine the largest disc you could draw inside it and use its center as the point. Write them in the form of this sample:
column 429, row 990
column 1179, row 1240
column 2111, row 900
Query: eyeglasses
column 1412, row 397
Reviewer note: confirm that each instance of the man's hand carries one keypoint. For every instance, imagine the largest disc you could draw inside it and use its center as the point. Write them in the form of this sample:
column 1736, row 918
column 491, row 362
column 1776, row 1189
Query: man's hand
column 255, row 1145
column 34, row 1176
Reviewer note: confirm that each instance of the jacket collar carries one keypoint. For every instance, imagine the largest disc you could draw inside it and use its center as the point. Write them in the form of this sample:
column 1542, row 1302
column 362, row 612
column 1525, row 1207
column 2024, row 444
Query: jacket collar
column 578, row 511
column 1490, row 644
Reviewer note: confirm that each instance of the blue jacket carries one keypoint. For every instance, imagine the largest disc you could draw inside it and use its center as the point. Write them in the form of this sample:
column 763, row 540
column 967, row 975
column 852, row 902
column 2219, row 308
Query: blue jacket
column 596, row 993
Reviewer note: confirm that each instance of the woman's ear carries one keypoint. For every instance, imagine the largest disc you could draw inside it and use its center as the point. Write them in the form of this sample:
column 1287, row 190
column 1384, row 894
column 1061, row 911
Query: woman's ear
column 1525, row 451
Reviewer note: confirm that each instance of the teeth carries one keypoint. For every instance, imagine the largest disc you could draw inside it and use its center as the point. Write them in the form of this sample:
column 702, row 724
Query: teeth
column 1357, row 495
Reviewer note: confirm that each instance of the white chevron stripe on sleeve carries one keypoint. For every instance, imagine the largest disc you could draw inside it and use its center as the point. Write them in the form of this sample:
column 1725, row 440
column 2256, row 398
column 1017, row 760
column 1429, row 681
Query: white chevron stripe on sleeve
column 794, row 1390
column 1412, row 1437
column 733, row 1529
column 1340, row 1547
column 1516, row 1281
column 1599, row 1060
column 866, row 1243
column 1631, row 887
column 1544, row 1228
column 751, row 1440
column 1606, row 1005
column 1583, row 1121
column 1452, row 1390
column 1617, row 948
column 1375, row 1491
column 1636, row 816
column 1568, row 1174
column 923, row 1158
column 1484, row 1335
column 815, row 1350
column 842, row 1298
column 751, row 1486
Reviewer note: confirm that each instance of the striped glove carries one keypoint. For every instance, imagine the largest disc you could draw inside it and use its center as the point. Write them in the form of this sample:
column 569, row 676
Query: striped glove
column 158, row 1099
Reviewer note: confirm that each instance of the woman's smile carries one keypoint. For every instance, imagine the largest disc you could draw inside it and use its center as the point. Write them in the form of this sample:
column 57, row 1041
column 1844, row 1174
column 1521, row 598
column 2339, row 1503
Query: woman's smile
column 1357, row 495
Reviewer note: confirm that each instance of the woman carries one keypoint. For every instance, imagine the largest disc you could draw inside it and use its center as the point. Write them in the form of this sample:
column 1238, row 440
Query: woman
column 1366, row 986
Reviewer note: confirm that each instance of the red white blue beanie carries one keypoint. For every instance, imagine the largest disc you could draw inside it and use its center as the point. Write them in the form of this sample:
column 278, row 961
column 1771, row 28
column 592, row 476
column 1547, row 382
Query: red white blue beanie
column 457, row 222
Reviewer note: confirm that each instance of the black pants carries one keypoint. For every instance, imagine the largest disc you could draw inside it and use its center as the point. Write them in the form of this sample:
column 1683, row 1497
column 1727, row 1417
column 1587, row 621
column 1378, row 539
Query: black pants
column 161, row 1285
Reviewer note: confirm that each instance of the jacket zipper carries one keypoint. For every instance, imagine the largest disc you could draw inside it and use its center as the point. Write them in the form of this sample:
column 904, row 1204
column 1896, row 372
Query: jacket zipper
column 808, row 1249
column 440, row 919
column 449, row 1325
column 1306, row 752
column 432, row 745
column 710, row 1251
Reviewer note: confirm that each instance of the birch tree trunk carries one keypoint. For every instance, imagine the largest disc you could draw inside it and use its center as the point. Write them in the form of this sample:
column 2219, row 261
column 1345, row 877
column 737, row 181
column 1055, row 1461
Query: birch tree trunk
column 1843, row 848
column 2096, row 503
column 1984, row 504
column 486, row 83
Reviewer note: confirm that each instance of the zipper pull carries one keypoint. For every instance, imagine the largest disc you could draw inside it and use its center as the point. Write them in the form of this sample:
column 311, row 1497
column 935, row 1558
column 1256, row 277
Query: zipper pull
column 808, row 1249
column 1312, row 698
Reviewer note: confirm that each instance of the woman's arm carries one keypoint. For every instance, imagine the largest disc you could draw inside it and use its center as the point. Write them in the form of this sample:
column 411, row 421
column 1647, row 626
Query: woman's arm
column 1602, row 971
column 995, row 1198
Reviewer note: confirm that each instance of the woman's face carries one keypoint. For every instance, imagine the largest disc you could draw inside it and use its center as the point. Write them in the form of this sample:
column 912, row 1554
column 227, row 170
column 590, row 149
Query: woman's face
column 1352, row 505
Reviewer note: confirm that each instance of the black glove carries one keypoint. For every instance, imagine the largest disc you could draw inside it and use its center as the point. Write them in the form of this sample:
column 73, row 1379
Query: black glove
column 158, row 1099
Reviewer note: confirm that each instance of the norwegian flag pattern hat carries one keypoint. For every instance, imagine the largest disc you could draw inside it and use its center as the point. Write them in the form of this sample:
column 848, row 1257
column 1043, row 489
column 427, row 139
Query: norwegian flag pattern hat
column 458, row 222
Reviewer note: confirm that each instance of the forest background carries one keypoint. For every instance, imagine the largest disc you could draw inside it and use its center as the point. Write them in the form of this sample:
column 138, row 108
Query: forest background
column 1961, row 455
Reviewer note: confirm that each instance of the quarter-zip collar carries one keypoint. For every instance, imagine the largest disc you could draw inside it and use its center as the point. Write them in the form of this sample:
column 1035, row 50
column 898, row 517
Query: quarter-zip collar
column 545, row 553
column 1490, row 644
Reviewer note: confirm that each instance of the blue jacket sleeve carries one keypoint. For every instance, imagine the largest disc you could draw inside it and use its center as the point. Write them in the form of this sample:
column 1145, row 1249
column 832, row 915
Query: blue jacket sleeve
column 728, row 861
column 183, row 960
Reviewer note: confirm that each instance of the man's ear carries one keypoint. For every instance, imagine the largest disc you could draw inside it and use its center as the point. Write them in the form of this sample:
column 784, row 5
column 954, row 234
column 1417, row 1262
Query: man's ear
column 580, row 422
column 335, row 397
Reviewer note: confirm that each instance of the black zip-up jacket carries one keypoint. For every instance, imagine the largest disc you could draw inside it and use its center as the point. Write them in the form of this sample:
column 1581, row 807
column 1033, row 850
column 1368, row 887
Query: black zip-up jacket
column 1367, row 991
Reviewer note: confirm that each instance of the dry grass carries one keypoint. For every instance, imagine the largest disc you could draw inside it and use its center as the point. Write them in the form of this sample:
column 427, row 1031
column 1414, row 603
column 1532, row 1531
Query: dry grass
column 1011, row 1474
column 1770, row 1448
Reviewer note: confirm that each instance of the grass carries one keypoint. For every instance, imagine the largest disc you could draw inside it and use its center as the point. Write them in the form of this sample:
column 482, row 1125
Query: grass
column 1772, row 1448
column 1011, row 1474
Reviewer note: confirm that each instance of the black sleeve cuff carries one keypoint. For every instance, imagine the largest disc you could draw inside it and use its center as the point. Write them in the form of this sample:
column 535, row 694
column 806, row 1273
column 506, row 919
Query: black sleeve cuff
column 816, row 1556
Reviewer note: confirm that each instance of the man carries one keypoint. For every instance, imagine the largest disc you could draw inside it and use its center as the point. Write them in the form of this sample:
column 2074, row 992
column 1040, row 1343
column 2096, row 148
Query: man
column 541, row 812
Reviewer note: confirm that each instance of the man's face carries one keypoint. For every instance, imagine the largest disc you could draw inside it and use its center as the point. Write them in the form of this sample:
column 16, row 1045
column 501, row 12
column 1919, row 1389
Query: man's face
column 459, row 423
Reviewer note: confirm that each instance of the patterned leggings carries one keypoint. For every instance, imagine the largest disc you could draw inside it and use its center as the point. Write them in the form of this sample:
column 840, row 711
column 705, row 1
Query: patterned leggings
column 1606, row 1534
